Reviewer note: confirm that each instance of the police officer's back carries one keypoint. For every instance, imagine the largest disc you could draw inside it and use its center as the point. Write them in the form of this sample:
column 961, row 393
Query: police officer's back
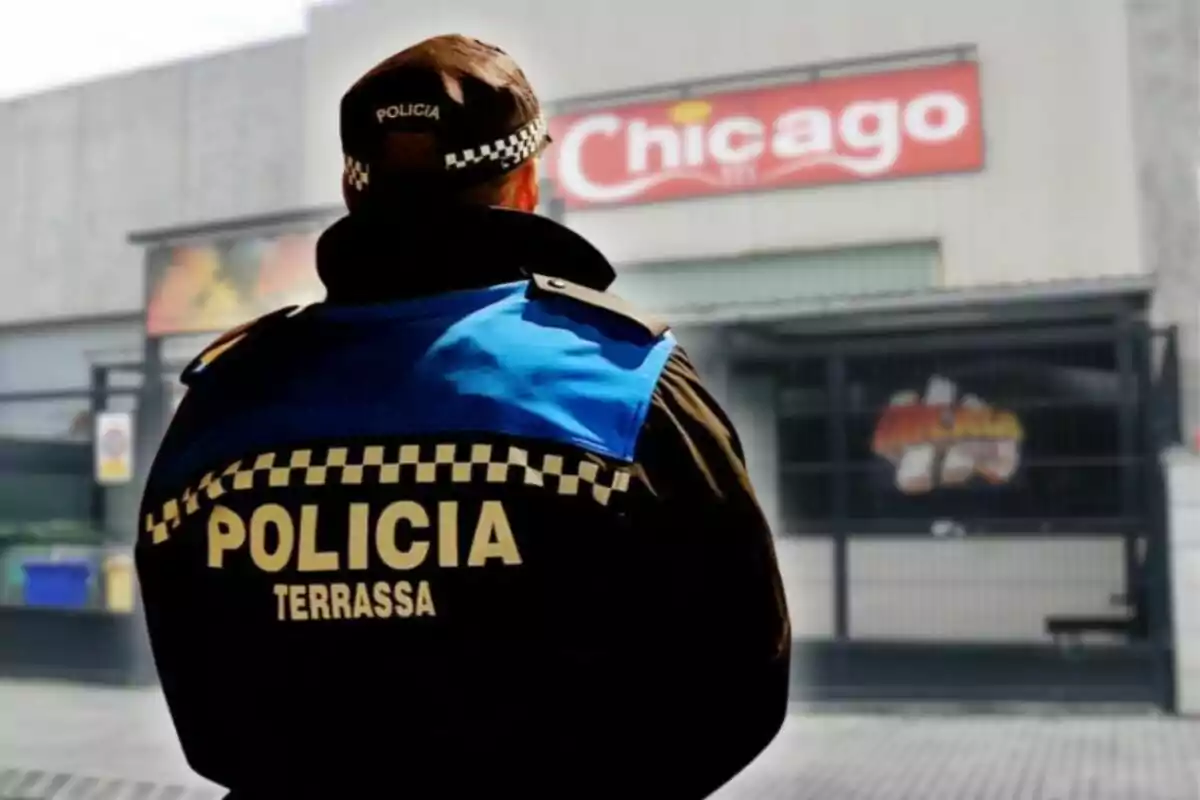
column 471, row 524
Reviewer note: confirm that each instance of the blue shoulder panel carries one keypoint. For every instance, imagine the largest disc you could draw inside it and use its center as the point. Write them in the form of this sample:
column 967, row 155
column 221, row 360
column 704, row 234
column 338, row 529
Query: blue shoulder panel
column 487, row 361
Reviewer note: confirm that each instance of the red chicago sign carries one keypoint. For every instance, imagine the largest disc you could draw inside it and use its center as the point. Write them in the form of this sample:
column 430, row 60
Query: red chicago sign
column 865, row 127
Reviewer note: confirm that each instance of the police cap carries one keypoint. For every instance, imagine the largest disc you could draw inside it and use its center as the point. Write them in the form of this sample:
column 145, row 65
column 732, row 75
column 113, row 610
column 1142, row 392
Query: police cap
column 443, row 115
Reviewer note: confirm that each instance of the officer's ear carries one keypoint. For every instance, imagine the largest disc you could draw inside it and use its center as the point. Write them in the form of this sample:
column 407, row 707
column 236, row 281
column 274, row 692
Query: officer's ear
column 521, row 191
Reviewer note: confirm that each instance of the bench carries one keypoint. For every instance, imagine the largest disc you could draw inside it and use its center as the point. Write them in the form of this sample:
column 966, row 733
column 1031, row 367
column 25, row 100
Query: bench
column 1072, row 628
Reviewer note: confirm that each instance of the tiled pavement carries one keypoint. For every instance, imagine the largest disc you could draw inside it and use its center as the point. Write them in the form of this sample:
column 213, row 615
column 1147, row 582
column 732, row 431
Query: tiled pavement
column 79, row 743
column 911, row 757
column 107, row 741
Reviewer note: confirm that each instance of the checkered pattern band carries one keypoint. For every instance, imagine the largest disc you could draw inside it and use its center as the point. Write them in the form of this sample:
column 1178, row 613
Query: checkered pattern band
column 357, row 173
column 508, row 152
column 410, row 463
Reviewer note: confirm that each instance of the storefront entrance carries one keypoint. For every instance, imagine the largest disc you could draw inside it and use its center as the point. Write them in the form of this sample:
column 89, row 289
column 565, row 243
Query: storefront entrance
column 68, row 606
column 975, row 513
column 200, row 281
column 968, row 497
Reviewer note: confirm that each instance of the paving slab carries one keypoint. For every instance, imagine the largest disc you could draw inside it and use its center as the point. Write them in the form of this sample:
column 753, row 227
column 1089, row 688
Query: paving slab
column 69, row 742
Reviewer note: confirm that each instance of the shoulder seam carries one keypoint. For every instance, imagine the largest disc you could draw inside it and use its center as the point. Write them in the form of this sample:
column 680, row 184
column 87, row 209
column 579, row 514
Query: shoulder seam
column 230, row 339
column 545, row 285
column 641, row 412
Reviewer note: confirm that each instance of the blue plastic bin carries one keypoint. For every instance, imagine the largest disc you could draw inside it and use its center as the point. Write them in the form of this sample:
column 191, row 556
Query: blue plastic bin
column 57, row 584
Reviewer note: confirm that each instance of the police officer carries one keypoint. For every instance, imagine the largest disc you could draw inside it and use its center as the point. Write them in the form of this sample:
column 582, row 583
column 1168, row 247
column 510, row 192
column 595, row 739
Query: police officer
column 471, row 524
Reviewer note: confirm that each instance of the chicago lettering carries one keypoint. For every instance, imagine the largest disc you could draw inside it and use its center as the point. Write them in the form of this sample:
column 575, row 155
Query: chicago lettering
column 864, row 138
column 427, row 110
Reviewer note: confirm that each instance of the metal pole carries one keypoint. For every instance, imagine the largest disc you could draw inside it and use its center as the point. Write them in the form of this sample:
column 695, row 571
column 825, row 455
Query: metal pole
column 835, row 376
column 98, row 401
column 151, row 419
column 552, row 204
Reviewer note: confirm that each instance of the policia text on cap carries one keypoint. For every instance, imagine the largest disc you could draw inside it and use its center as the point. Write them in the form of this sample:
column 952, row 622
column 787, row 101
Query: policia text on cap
column 471, row 524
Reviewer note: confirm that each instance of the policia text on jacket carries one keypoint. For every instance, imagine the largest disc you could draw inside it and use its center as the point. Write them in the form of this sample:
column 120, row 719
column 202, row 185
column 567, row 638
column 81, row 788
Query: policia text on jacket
column 312, row 541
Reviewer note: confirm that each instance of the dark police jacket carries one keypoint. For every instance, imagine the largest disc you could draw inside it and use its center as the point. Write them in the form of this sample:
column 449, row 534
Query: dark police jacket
column 461, row 528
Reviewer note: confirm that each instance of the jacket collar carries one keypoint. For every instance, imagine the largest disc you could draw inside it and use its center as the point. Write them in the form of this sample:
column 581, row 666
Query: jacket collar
column 364, row 259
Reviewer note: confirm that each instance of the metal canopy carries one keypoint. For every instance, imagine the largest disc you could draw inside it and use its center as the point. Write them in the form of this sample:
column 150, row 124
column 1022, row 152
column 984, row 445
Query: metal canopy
column 251, row 225
column 931, row 308
column 801, row 73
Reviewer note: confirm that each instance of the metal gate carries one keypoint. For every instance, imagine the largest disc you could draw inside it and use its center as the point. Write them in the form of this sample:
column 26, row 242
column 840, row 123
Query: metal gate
column 979, row 515
column 51, row 509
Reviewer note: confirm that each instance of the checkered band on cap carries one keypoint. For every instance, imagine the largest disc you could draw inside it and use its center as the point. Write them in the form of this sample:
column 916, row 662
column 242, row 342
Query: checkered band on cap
column 507, row 152
column 357, row 173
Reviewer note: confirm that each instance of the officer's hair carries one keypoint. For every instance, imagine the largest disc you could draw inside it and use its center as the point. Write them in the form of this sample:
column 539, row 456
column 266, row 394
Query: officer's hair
column 489, row 193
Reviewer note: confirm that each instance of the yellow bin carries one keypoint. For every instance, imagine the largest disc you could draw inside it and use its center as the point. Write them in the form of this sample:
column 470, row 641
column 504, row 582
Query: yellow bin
column 118, row 583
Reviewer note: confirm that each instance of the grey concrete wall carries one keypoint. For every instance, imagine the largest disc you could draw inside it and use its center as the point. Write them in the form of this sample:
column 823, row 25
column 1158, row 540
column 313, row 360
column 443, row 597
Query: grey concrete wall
column 1056, row 200
column 1164, row 50
column 81, row 167
column 1183, row 485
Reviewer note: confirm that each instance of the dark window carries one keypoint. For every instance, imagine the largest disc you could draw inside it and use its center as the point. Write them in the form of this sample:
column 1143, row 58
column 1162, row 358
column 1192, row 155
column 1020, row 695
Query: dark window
column 1009, row 434
column 806, row 501
column 1062, row 374
column 806, row 485
column 40, row 496
column 804, row 440
column 1047, row 433
column 1012, row 433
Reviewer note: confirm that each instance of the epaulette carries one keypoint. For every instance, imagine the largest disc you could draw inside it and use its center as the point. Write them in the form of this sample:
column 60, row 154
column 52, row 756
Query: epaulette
column 232, row 338
column 544, row 285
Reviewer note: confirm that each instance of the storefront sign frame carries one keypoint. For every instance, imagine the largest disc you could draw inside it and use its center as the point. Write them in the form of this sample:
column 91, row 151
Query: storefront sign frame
column 207, row 263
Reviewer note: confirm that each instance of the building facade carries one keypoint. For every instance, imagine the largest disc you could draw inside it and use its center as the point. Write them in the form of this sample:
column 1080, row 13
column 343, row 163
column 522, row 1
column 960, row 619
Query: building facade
column 937, row 259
